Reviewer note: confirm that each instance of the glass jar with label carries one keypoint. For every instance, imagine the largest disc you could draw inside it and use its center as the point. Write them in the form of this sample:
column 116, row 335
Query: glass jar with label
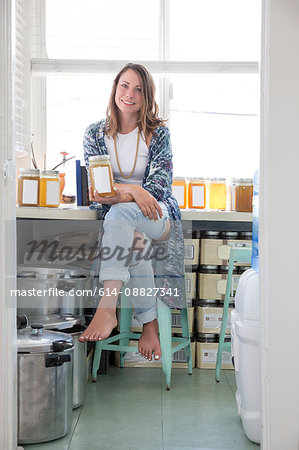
column 28, row 187
column 49, row 188
column 217, row 193
column 179, row 190
column 244, row 194
column 101, row 175
column 197, row 193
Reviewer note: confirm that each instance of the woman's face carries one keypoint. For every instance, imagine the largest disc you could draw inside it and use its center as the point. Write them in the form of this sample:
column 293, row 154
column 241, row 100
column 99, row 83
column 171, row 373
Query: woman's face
column 128, row 96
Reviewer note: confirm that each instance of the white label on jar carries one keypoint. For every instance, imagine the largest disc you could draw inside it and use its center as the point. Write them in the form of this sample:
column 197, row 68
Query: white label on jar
column 209, row 355
column 101, row 179
column 189, row 251
column 212, row 320
column 52, row 192
column 198, row 196
column 30, row 192
column 224, row 251
column 179, row 193
column 221, row 286
column 188, row 284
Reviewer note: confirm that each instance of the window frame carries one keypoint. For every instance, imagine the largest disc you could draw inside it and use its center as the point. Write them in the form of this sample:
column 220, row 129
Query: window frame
column 43, row 67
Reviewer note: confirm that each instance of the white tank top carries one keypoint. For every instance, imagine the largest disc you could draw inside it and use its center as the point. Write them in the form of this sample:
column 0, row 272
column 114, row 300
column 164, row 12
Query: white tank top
column 126, row 150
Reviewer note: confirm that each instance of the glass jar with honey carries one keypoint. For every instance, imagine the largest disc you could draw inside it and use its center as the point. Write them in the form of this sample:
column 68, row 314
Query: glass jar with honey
column 197, row 193
column 101, row 175
column 28, row 187
column 217, row 193
column 49, row 188
column 244, row 194
column 179, row 190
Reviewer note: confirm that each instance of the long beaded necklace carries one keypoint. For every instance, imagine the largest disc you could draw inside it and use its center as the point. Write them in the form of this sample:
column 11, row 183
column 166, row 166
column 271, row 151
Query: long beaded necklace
column 136, row 154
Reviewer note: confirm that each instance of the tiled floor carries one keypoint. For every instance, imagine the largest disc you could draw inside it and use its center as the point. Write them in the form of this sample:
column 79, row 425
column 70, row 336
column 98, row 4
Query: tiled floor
column 129, row 409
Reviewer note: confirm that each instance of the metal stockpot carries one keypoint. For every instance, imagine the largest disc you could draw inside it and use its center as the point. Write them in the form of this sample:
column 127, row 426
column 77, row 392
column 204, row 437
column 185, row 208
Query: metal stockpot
column 44, row 290
column 45, row 384
column 79, row 365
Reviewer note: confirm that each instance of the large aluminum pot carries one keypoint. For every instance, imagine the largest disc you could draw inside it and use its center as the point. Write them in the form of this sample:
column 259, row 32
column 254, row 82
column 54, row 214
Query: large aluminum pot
column 45, row 384
column 79, row 365
column 44, row 290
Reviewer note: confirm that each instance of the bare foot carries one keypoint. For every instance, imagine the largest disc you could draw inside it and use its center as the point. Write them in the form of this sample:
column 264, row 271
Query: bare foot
column 149, row 341
column 101, row 325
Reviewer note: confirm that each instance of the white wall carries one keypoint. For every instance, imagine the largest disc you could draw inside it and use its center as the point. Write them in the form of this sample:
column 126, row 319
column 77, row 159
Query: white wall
column 279, row 225
column 8, row 410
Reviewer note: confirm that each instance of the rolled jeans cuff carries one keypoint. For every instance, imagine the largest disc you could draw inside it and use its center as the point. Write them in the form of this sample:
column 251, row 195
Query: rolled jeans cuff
column 145, row 315
column 111, row 273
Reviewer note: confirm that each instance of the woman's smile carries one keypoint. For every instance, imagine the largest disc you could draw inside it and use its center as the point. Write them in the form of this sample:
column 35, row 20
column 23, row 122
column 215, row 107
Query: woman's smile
column 128, row 96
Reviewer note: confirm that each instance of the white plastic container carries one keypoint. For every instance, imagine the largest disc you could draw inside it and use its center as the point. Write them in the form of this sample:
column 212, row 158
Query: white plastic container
column 245, row 334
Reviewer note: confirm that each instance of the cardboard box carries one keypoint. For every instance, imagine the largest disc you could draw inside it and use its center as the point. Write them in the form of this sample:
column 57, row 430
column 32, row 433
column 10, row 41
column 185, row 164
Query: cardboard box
column 217, row 251
column 206, row 356
column 190, row 280
column 213, row 286
column 136, row 327
column 209, row 319
column 191, row 252
column 133, row 359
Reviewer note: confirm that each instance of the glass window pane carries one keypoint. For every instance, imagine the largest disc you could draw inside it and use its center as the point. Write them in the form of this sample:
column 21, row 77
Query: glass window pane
column 214, row 123
column 73, row 103
column 93, row 29
column 214, row 30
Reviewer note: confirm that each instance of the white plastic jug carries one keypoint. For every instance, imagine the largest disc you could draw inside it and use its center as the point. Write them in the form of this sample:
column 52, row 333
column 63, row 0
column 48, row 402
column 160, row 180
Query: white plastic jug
column 245, row 333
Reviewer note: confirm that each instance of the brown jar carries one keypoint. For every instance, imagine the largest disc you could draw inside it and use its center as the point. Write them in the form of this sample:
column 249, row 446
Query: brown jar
column 244, row 194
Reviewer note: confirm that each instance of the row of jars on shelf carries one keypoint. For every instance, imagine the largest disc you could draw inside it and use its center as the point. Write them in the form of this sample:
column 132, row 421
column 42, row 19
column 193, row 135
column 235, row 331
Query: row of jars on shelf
column 39, row 188
column 214, row 193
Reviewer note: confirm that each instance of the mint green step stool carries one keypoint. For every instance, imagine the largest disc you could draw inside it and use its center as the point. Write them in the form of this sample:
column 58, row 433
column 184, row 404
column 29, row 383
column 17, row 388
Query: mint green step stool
column 166, row 339
column 240, row 255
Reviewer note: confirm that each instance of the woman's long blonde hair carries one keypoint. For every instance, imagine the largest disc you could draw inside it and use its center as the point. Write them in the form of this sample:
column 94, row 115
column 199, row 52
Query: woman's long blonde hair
column 148, row 119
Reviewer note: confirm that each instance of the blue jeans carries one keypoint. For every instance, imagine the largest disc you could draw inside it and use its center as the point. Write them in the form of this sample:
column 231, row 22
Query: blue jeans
column 128, row 265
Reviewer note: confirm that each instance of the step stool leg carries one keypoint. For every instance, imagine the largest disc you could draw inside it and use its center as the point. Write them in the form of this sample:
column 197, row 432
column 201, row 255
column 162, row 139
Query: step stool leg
column 164, row 320
column 125, row 327
column 96, row 360
column 186, row 334
column 224, row 315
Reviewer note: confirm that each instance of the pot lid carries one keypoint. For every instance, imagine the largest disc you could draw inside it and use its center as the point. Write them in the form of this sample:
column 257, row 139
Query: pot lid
column 37, row 340
column 51, row 271
column 57, row 321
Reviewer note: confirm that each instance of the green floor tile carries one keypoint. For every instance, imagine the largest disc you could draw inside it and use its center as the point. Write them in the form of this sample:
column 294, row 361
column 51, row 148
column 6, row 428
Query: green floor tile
column 130, row 409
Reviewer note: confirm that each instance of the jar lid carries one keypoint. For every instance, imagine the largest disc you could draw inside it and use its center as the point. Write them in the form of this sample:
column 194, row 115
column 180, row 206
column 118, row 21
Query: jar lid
column 35, row 172
column 197, row 180
column 49, row 172
column 211, row 234
column 229, row 234
column 231, row 303
column 224, row 269
column 210, row 303
column 208, row 269
column 50, row 271
column 246, row 235
column 36, row 340
column 244, row 181
column 207, row 337
column 99, row 158
column 217, row 180
column 243, row 269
